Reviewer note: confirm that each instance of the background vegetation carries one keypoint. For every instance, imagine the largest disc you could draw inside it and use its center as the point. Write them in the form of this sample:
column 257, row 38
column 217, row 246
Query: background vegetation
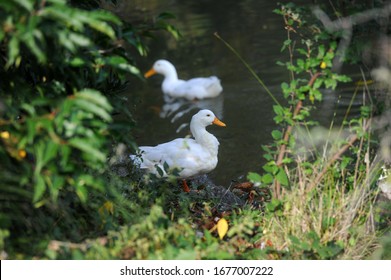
column 63, row 197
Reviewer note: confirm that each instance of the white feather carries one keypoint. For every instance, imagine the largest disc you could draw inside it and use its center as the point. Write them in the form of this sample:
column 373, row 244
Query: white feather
column 190, row 156
column 196, row 88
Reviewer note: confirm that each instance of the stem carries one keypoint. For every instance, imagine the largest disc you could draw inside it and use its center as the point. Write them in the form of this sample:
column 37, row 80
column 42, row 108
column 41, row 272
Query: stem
column 248, row 67
column 281, row 154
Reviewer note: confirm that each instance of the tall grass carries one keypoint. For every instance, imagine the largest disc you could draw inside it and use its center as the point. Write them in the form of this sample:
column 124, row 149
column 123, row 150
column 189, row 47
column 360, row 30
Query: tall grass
column 335, row 211
column 328, row 210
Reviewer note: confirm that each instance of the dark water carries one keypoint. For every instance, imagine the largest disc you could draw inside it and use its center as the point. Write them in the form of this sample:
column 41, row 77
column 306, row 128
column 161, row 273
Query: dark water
column 257, row 34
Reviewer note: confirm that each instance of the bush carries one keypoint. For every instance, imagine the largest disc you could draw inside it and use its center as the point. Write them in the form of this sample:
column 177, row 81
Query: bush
column 324, row 180
column 60, row 67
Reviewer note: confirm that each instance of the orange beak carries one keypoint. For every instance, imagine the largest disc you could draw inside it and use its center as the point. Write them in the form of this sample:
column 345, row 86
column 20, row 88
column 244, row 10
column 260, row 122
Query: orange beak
column 150, row 73
column 216, row 121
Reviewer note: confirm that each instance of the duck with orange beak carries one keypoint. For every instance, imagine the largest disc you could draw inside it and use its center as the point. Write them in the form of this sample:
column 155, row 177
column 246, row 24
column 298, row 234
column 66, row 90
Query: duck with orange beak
column 190, row 157
column 172, row 87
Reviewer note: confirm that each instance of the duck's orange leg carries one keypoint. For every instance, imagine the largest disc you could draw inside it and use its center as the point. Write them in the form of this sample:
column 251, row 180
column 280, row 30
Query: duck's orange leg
column 185, row 186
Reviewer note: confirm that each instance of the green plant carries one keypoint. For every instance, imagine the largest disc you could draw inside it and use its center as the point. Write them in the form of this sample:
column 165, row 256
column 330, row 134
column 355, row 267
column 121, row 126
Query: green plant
column 62, row 65
column 326, row 196
column 322, row 180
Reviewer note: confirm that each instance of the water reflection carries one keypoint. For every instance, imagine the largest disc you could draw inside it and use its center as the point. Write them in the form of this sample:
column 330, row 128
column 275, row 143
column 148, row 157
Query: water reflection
column 176, row 109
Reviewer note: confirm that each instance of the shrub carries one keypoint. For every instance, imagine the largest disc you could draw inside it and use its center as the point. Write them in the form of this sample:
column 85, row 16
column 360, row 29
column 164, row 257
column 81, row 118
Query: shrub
column 60, row 66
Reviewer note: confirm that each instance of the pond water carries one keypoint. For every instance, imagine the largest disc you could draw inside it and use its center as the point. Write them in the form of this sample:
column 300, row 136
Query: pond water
column 257, row 34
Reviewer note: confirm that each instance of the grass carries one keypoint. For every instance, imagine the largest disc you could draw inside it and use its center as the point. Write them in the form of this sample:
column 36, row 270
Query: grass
column 333, row 214
column 328, row 212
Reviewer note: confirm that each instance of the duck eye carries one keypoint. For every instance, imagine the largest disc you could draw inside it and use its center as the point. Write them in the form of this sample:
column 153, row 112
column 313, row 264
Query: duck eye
column 208, row 115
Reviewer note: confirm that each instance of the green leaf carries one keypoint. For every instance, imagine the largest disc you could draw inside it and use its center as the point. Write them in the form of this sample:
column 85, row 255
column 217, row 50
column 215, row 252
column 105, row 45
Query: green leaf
column 166, row 167
column 77, row 62
column 104, row 15
column 284, row 86
column 254, row 177
column 82, row 192
column 129, row 68
column 121, row 63
column 38, row 151
column 365, row 111
column 282, row 177
column 294, row 240
column 63, row 2
column 68, row 44
column 286, row 44
column 57, row 184
column 302, row 51
column 93, row 108
column 159, row 170
column 27, row 4
column 50, row 152
column 34, row 48
column 174, row 32
column 276, row 134
column 90, row 181
column 273, row 205
column 342, row 78
column 330, row 83
column 270, row 168
column 95, row 97
column 13, row 50
column 79, row 39
column 65, row 15
column 83, row 145
column 321, row 51
column 39, row 188
column 65, row 154
column 31, row 130
column 318, row 83
column 267, row 178
column 279, row 110
column 102, row 27
column 301, row 64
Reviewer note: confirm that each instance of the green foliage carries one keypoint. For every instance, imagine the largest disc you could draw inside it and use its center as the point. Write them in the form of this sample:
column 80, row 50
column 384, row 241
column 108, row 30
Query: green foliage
column 318, row 184
column 156, row 236
column 312, row 52
column 384, row 251
column 61, row 66
column 311, row 248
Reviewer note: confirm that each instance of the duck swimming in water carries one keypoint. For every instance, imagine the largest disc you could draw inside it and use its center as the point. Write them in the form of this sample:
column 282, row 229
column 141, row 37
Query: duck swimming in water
column 196, row 88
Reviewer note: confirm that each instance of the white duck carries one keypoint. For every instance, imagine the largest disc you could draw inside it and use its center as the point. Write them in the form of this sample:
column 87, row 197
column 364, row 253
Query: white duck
column 197, row 88
column 190, row 156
